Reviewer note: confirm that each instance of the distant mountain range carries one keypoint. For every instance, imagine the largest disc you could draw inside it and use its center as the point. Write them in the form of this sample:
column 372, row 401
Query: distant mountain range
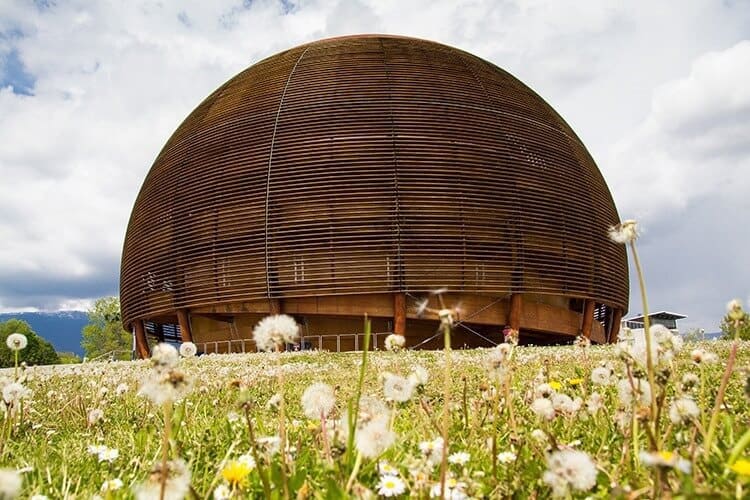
column 62, row 328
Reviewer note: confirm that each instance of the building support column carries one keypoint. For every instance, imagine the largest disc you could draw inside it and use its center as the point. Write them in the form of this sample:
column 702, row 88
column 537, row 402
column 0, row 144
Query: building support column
column 141, row 343
column 615, row 330
column 399, row 313
column 516, row 310
column 587, row 320
column 184, row 320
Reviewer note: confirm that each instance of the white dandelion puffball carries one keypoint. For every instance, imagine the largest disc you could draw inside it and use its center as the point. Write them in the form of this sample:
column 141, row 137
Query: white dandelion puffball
column 624, row 232
column 16, row 341
column 569, row 469
column 14, row 392
column 419, row 376
column 188, row 349
column 318, row 400
column 397, row 388
column 176, row 487
column 543, row 408
column 274, row 331
column 395, row 342
column 374, row 438
column 164, row 356
column 10, row 483
column 683, row 410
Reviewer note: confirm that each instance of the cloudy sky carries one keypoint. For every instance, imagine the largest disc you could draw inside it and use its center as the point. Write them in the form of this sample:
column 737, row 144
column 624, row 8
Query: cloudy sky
column 90, row 91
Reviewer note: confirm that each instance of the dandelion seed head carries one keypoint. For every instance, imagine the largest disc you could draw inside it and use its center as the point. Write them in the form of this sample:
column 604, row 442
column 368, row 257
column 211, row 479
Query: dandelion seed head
column 10, row 483
column 374, row 438
column 397, row 388
column 188, row 349
column 395, row 342
column 177, row 483
column 624, row 232
column 16, row 341
column 683, row 410
column 318, row 400
column 543, row 408
column 419, row 376
column 506, row 457
column 569, row 469
column 274, row 331
column 164, row 356
column 734, row 310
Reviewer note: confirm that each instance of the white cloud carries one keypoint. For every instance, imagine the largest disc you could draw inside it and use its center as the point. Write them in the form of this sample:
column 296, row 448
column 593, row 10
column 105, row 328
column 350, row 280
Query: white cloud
column 656, row 94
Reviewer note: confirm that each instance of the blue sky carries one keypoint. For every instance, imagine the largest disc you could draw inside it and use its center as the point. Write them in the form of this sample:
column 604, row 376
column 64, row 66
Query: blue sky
column 91, row 90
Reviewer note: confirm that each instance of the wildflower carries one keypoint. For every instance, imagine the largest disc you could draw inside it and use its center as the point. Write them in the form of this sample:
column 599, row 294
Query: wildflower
column 419, row 376
column 16, row 341
column 497, row 361
column 396, row 388
column 741, row 467
column 164, row 356
column 454, row 490
column 539, row 435
column 624, row 232
column 683, row 410
column 247, row 459
column 543, row 408
column 176, row 486
column 594, row 403
column 10, row 483
column 459, row 458
column 188, row 349
column 94, row 416
column 274, row 401
column 95, row 449
column 109, row 455
column 734, row 310
column 601, row 375
column 222, row 492
column 386, row 469
column 273, row 331
column 390, row 486
column 700, row 356
column 235, row 473
column 582, row 341
column 544, row 391
column 689, row 381
column 627, row 394
column 121, row 389
column 666, row 459
column 318, row 400
column 111, row 485
column 269, row 444
column 394, row 342
column 432, row 450
column 564, row 404
column 575, row 381
column 568, row 469
column 555, row 385
column 166, row 386
column 14, row 392
column 374, row 438
column 506, row 457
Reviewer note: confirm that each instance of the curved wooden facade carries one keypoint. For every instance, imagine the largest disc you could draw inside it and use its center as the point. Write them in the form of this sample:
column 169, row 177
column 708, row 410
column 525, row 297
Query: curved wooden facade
column 357, row 174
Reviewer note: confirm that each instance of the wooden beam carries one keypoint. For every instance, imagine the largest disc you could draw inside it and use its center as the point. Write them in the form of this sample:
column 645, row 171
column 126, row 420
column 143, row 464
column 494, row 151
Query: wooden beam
column 516, row 311
column 615, row 330
column 588, row 318
column 399, row 313
column 141, row 344
column 184, row 320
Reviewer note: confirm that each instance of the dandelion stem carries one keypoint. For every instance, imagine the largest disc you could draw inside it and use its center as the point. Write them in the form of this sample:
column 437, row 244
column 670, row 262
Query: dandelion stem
column 167, row 408
column 256, row 456
column 647, row 334
column 719, row 400
column 446, row 406
column 354, row 405
column 355, row 471
column 282, row 423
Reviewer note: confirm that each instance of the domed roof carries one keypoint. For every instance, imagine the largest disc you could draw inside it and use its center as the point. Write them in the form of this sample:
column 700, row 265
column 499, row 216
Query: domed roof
column 369, row 164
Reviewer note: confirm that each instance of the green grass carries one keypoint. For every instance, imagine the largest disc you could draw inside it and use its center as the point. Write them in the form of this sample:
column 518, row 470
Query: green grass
column 49, row 444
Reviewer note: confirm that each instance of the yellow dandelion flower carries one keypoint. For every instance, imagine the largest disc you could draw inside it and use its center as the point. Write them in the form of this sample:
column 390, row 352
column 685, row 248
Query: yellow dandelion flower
column 667, row 456
column 555, row 385
column 236, row 472
column 741, row 467
column 575, row 381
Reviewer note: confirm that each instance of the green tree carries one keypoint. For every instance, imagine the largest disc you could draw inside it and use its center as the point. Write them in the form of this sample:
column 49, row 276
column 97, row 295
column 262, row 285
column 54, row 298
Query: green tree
column 727, row 327
column 37, row 352
column 104, row 333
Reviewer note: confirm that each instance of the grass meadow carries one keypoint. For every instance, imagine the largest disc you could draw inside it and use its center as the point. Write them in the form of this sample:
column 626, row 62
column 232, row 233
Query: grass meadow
column 524, row 422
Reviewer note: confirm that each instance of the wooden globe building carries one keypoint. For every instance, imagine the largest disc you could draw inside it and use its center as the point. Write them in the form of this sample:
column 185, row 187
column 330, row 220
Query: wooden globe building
column 357, row 175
